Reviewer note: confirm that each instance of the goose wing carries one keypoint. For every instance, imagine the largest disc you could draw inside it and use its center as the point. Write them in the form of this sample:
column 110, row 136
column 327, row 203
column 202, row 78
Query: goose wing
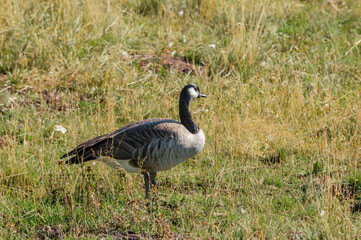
column 121, row 144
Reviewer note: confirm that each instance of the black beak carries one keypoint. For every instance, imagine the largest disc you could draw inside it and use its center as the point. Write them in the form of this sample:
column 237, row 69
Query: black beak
column 202, row 95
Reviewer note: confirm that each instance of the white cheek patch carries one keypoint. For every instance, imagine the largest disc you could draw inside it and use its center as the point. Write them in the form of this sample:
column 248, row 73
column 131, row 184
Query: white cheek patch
column 192, row 93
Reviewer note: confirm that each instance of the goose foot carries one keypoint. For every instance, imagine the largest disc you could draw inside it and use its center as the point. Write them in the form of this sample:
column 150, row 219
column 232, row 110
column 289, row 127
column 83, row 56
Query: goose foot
column 146, row 183
column 149, row 178
column 153, row 175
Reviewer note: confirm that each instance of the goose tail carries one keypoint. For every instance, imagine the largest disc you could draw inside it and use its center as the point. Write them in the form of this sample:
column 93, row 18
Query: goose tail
column 86, row 152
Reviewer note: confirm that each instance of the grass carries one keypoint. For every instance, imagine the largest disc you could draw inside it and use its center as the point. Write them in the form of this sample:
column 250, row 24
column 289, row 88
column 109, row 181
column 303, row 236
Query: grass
column 282, row 118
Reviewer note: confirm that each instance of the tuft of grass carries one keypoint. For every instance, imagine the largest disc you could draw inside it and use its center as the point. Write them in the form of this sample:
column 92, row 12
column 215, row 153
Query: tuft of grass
column 354, row 182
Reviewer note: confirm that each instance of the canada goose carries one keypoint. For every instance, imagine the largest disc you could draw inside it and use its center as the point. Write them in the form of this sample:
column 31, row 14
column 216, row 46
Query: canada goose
column 149, row 145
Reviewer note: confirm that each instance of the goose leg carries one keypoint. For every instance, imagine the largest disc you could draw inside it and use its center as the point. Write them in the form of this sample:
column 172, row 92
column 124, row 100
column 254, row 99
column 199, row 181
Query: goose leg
column 146, row 183
column 153, row 175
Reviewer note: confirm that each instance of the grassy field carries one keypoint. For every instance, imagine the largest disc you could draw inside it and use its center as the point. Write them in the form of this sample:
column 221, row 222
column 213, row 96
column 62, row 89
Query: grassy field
column 282, row 118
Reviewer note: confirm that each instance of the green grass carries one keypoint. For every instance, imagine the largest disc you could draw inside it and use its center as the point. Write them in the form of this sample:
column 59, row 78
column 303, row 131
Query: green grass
column 282, row 118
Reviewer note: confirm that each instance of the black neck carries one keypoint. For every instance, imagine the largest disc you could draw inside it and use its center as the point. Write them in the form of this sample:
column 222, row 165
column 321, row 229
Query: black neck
column 185, row 115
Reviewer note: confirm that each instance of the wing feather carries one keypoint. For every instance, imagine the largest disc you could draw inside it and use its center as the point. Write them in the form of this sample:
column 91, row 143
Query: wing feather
column 120, row 144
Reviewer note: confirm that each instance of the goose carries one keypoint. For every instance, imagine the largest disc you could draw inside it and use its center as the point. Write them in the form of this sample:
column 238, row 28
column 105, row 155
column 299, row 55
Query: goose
column 147, row 146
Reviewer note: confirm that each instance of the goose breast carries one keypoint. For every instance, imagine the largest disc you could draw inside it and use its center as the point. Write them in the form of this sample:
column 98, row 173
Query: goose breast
column 170, row 149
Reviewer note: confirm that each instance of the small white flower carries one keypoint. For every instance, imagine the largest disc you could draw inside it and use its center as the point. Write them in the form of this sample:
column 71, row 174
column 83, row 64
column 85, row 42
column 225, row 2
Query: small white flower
column 100, row 186
column 124, row 53
column 212, row 46
column 94, row 163
column 243, row 211
column 263, row 64
column 170, row 44
column 59, row 128
column 180, row 13
column 184, row 39
column 173, row 53
column 322, row 213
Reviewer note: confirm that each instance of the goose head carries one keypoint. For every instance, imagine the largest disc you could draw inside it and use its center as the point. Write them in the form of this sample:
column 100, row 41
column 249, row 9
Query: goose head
column 192, row 92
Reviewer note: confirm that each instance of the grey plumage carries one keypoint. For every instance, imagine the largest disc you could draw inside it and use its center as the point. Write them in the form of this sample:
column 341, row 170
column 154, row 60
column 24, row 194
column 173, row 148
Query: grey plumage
column 149, row 145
